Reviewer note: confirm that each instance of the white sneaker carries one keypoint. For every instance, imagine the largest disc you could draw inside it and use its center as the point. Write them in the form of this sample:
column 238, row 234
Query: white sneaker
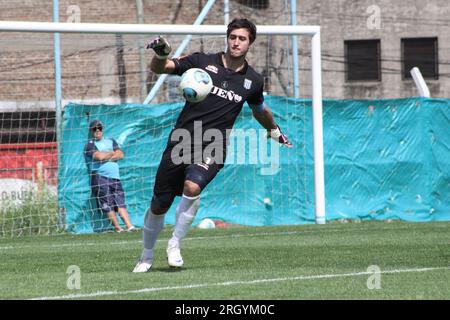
column 143, row 266
column 174, row 258
column 132, row 229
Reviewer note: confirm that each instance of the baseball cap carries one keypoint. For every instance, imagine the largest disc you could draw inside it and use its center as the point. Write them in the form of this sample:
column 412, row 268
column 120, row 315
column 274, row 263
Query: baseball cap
column 95, row 124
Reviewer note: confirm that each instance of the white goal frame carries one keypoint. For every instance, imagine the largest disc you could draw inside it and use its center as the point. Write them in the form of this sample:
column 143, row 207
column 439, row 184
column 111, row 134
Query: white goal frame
column 312, row 32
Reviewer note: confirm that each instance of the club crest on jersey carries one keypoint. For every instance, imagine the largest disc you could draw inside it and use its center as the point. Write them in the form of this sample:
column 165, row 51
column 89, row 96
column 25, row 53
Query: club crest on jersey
column 247, row 84
column 212, row 68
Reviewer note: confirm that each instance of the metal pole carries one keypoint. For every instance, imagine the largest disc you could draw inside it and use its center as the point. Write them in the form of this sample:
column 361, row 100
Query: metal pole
column 57, row 56
column 420, row 82
column 226, row 16
column 180, row 49
column 58, row 90
column 319, row 175
column 295, row 49
column 142, row 67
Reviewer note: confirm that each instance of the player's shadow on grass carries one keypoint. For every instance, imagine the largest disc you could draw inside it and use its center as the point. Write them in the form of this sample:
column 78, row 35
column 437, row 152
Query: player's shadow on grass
column 167, row 269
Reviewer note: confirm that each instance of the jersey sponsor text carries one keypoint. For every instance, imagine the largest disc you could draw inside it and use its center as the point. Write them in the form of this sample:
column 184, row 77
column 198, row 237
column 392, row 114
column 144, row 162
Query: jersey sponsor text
column 229, row 95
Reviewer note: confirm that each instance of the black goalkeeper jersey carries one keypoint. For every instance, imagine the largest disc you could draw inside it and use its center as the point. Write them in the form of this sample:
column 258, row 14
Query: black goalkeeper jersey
column 221, row 107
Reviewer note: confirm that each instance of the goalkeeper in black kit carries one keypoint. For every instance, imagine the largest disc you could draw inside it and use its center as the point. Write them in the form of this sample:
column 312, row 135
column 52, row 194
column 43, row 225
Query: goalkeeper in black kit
column 235, row 82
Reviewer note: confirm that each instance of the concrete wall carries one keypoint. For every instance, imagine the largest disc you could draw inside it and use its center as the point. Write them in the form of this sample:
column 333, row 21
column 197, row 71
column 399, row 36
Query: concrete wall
column 352, row 20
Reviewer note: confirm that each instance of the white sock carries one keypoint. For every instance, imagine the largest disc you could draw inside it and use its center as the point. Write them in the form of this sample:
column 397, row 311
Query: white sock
column 153, row 224
column 186, row 211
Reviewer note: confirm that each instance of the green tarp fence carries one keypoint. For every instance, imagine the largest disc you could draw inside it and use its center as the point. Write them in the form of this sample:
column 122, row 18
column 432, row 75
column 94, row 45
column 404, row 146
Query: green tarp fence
column 384, row 159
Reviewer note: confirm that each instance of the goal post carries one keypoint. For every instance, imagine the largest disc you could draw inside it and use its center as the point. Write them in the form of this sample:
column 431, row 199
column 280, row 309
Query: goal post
column 309, row 32
column 175, row 29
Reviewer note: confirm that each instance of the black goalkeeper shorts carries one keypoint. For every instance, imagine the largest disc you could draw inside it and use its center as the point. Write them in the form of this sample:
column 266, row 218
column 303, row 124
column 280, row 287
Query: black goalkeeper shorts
column 170, row 178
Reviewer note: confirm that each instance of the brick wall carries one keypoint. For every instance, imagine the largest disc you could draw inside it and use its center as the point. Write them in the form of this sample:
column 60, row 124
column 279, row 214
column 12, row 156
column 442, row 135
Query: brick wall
column 89, row 62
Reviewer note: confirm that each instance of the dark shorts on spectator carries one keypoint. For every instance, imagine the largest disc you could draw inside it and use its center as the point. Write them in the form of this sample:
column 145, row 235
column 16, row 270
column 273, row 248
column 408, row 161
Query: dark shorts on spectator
column 109, row 193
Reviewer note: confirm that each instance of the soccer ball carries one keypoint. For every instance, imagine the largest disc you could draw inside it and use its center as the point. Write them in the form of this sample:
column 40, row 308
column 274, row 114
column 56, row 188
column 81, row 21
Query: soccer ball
column 206, row 224
column 195, row 85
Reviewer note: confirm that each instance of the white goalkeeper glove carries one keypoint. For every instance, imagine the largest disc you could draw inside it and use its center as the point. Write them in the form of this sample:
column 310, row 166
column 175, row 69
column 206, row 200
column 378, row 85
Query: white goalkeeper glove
column 279, row 136
column 161, row 47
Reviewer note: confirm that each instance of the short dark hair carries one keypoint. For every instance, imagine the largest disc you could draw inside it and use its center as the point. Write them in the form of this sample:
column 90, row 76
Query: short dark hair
column 242, row 23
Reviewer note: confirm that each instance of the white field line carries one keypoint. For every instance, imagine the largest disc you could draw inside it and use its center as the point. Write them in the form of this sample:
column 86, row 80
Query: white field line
column 233, row 283
column 127, row 242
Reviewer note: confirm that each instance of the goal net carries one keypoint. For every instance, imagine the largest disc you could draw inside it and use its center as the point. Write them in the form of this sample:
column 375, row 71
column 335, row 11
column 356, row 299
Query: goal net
column 105, row 75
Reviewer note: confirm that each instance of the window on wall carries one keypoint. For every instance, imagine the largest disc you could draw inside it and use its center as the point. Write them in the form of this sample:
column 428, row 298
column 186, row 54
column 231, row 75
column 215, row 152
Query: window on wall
column 27, row 127
column 421, row 53
column 255, row 4
column 362, row 60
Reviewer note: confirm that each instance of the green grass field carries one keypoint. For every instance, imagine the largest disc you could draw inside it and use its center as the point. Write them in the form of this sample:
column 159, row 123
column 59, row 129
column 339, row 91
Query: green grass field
column 292, row 262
